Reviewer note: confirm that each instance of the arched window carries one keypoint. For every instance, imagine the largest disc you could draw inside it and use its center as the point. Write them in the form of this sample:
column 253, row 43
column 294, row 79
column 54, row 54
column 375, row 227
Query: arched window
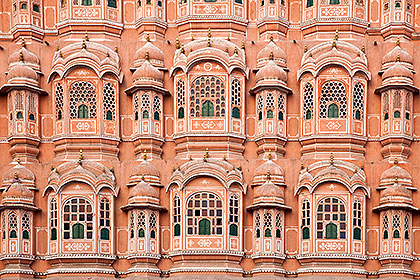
column 13, row 225
column 78, row 219
column 26, row 226
column 204, row 227
column 207, row 88
column 53, row 219
column 260, row 104
column 396, row 225
column 24, row 6
column 177, row 216
column 136, row 107
column 141, row 225
column 281, row 107
column 406, row 227
column 278, row 224
column 331, row 216
column 357, row 220
column 204, row 206
column 333, row 92
column 257, row 225
column 132, row 226
column 309, row 3
column 397, row 114
column 109, row 101
column 31, row 117
column 156, row 108
column 145, row 106
column 358, row 97
column 385, row 104
column 180, row 89
column 18, row 101
column 397, row 104
column 308, row 101
column 152, row 225
column 236, row 99
column 105, row 218
column 19, row 116
column 268, row 224
column 233, row 215
column 82, row 100
column 112, row 3
column 306, row 219
column 385, row 226
column 407, row 106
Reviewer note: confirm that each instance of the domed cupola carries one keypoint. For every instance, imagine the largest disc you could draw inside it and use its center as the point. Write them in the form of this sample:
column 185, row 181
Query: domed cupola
column 397, row 52
column 397, row 74
column 144, row 171
column 156, row 56
column 271, row 49
column 23, row 54
column 143, row 193
column 26, row 177
column 268, row 193
column 271, row 73
column 389, row 176
column 269, row 167
column 148, row 74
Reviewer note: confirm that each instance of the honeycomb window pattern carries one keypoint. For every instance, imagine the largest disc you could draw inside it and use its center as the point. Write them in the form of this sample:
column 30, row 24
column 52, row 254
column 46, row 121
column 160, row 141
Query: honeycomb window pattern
column 109, row 102
column 333, row 92
column 269, row 101
column 278, row 224
column 280, row 103
column 13, row 224
column 260, row 103
column 267, row 224
column 397, row 100
column 204, row 206
column 152, row 225
column 19, row 101
column 385, row 226
column 141, row 224
column 236, row 93
column 257, row 225
column 308, row 99
column 206, row 88
column 82, row 93
column 358, row 94
column 180, row 89
column 156, row 104
column 145, row 101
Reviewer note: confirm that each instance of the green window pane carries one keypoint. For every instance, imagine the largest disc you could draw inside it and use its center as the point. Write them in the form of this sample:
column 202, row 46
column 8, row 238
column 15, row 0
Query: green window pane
column 278, row 233
column 269, row 114
column 305, row 233
column 152, row 234
column 109, row 115
column 181, row 113
column 83, row 112
column 396, row 234
column 260, row 116
column 331, row 231
column 87, row 2
column 112, row 3
column 357, row 115
column 104, row 234
column 25, row 234
column 281, row 117
column 54, row 234
column 19, row 115
column 78, row 231
column 233, row 230
column 357, row 234
column 267, row 232
column 258, row 233
column 236, row 113
column 31, row 117
column 386, row 116
column 308, row 115
column 204, row 227
column 309, row 3
column 334, row 2
column 385, row 234
column 397, row 114
column 141, row 232
column 145, row 114
column 177, row 230
column 333, row 111
column 208, row 109
column 156, row 116
column 406, row 235
column 13, row 234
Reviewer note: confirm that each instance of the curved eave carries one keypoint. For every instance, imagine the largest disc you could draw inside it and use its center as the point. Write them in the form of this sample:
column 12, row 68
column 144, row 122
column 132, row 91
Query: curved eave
column 23, row 206
column 155, row 88
column 143, row 206
column 25, row 86
column 412, row 88
column 268, row 205
column 395, row 206
column 280, row 87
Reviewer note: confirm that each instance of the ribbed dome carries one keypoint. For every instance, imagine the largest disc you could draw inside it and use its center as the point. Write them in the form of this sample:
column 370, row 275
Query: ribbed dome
column 20, row 70
column 397, row 70
column 145, row 168
column 396, row 190
column 147, row 72
column 265, row 53
column 269, row 167
column 395, row 172
column 148, row 49
column 17, row 190
column 269, row 190
column 20, row 172
column 397, row 53
column 142, row 189
column 28, row 57
column 271, row 71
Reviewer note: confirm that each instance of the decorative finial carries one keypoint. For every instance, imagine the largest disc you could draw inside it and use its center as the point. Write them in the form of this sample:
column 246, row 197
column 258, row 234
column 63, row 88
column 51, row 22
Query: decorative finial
column 147, row 37
column 84, row 45
column 60, row 54
column 18, row 160
column 177, row 43
column 192, row 37
column 224, row 157
column 227, row 50
column 206, row 155
column 23, row 44
column 144, row 156
column 147, row 56
column 209, row 33
column 208, row 42
column 336, row 35
column 334, row 44
column 235, row 51
column 395, row 161
column 142, row 177
column 182, row 48
column 271, row 55
column 302, row 166
column 358, row 54
column 268, row 175
column 21, row 56
column 116, row 49
column 271, row 37
column 15, row 175
column 310, row 54
column 363, row 49
column 107, row 54
column 243, row 45
column 305, row 48
column 331, row 159
column 398, row 58
column 396, row 178
column 269, row 155
column 398, row 41
column 228, row 38
column 80, row 156
column 86, row 36
column 363, row 166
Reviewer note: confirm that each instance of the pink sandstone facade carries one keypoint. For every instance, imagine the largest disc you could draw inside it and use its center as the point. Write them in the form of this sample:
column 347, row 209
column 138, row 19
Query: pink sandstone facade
column 200, row 139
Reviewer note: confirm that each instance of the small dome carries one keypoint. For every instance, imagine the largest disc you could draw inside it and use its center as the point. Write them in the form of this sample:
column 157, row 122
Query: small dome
column 147, row 72
column 396, row 172
column 21, row 71
column 145, row 168
column 396, row 190
column 17, row 190
column 28, row 57
column 20, row 172
column 397, row 70
column 269, row 190
column 143, row 189
column 266, row 52
column 271, row 71
column 269, row 166
column 155, row 55
column 397, row 53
